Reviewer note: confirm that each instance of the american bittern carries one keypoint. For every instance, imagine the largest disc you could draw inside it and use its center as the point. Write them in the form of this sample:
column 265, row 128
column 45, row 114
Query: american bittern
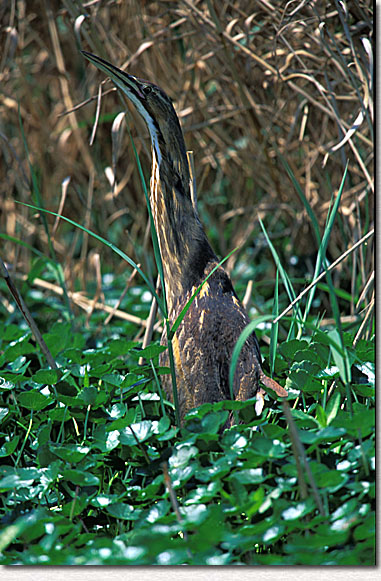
column 204, row 342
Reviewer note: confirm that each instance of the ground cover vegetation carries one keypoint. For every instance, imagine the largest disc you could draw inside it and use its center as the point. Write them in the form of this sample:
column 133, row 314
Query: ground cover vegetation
column 276, row 104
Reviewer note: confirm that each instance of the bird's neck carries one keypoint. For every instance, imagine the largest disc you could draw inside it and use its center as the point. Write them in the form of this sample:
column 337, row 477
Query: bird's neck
column 184, row 247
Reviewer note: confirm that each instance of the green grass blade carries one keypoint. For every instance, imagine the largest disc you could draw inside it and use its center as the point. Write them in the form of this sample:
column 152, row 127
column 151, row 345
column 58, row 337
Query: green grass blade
column 104, row 241
column 274, row 327
column 25, row 245
column 239, row 345
column 301, row 195
column 284, row 276
column 159, row 389
column 173, row 377
column 321, row 256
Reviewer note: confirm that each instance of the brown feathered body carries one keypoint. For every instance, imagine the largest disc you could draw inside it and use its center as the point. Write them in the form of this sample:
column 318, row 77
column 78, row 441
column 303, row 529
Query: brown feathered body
column 204, row 342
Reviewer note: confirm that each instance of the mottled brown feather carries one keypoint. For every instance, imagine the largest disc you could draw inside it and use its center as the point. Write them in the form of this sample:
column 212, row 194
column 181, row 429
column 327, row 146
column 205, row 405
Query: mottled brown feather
column 204, row 342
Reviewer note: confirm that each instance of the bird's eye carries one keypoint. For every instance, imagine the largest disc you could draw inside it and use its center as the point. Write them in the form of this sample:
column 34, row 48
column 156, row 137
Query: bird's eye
column 146, row 90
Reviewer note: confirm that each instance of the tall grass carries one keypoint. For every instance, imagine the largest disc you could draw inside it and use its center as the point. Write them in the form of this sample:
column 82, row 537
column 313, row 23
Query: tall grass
column 300, row 77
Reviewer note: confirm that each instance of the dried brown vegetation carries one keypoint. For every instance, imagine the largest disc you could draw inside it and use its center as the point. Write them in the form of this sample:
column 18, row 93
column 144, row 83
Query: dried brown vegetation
column 254, row 83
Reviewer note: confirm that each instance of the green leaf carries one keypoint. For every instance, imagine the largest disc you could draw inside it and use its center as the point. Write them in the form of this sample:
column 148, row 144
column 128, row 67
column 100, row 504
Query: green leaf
column 255, row 501
column 18, row 478
column 304, row 420
column 135, row 433
column 203, row 493
column 123, row 511
column 331, row 479
column 113, row 379
column 121, row 423
column 329, row 434
column 273, row 533
column 46, row 376
column 13, row 531
column 333, row 407
column 9, row 447
column 3, row 413
column 289, row 348
column 301, row 379
column 104, row 440
column 88, row 395
column 149, row 352
column 119, row 347
column 367, row 529
column 268, row 448
column 33, row 400
column 182, row 455
column 19, row 348
column 296, row 511
column 103, row 500
column 117, row 411
column 80, row 477
column 321, row 416
column 194, row 514
column 340, row 356
column 72, row 453
column 12, row 332
column 361, row 422
column 249, row 476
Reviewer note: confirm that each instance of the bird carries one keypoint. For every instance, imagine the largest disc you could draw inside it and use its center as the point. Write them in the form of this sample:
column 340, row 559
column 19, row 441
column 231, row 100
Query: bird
column 204, row 341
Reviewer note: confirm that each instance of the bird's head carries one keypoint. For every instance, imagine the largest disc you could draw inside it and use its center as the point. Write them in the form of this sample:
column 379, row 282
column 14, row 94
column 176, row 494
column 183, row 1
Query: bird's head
column 155, row 107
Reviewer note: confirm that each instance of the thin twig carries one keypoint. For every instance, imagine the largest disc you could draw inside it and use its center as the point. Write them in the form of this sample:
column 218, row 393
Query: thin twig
column 98, row 290
column 300, row 449
column 128, row 284
column 64, row 187
column 85, row 303
column 150, row 321
column 175, row 504
column 193, row 189
column 247, row 298
column 365, row 321
column 27, row 315
column 316, row 280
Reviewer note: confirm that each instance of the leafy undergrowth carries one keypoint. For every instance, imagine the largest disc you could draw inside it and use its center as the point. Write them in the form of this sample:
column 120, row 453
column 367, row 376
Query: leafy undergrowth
column 94, row 473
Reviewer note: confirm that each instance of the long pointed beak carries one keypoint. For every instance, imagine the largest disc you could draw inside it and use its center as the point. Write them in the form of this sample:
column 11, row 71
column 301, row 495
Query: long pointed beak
column 130, row 85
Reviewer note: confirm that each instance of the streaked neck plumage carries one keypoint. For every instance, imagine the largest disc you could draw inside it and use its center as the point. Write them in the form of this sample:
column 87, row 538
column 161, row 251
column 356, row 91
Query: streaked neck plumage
column 184, row 248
